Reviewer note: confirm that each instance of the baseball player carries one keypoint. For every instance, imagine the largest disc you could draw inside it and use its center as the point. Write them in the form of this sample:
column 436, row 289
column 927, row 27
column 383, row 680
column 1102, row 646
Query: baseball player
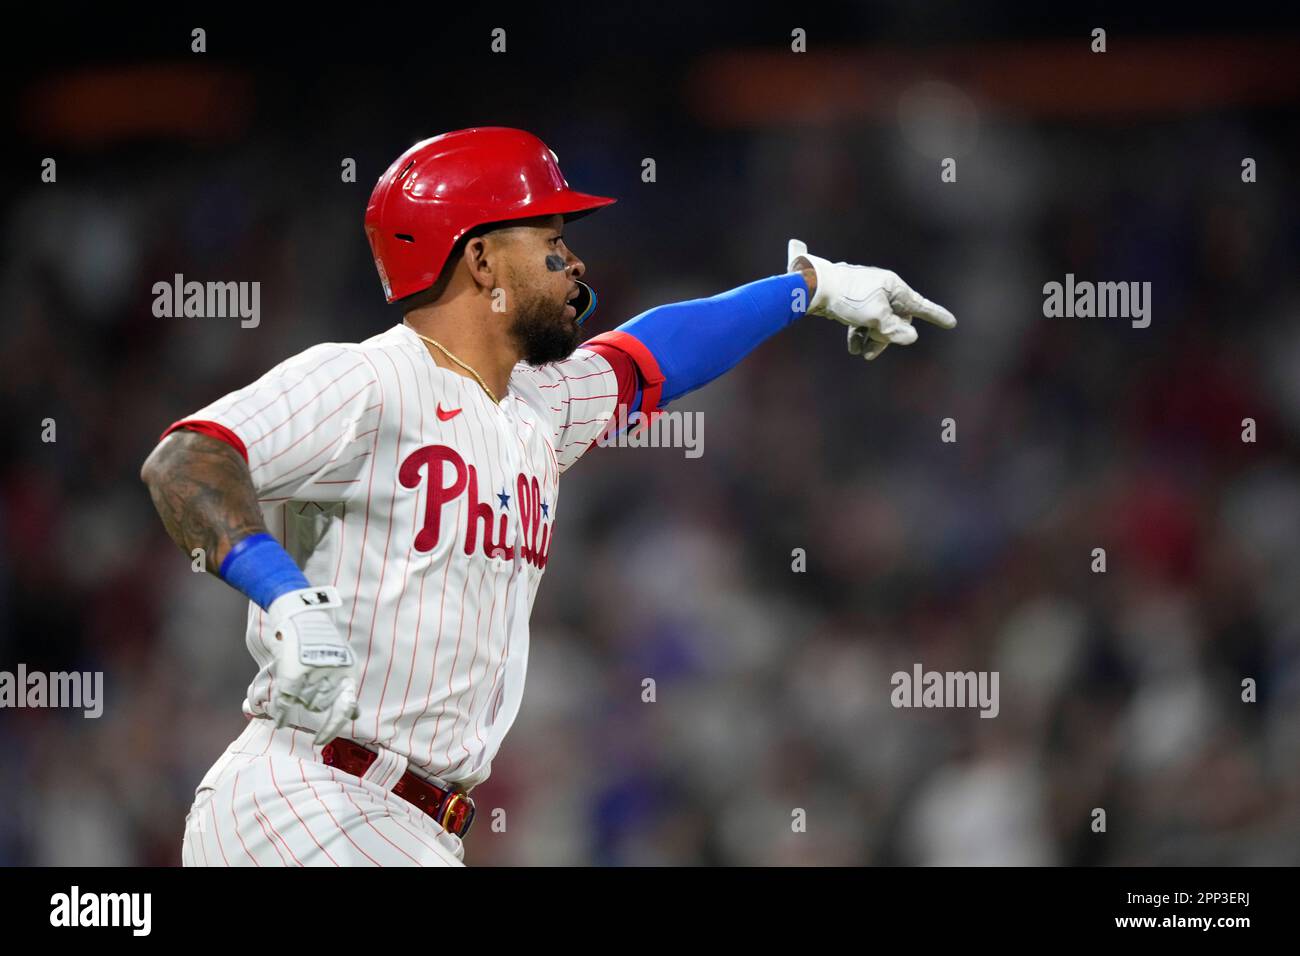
column 388, row 507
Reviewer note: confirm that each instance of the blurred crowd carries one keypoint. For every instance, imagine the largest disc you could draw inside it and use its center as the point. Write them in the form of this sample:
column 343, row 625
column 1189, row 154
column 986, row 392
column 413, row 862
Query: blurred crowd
column 1120, row 690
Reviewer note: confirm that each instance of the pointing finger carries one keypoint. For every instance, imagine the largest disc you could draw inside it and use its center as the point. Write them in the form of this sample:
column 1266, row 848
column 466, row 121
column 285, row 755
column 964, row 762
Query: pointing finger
column 918, row 305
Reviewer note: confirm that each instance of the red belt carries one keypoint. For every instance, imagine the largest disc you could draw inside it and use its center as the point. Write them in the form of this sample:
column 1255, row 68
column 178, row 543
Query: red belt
column 453, row 810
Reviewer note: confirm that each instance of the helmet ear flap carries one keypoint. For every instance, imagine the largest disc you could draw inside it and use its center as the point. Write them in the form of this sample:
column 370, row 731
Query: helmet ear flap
column 585, row 302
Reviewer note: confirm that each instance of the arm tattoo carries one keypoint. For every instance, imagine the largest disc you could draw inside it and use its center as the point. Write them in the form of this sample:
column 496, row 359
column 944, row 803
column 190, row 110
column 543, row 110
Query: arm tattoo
column 204, row 494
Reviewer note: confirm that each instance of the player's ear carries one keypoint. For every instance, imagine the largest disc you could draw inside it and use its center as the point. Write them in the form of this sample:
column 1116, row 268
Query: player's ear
column 479, row 261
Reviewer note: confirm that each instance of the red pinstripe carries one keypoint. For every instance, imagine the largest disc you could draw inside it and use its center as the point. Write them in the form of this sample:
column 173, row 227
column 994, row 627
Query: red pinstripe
column 302, row 769
column 294, row 444
column 200, row 836
column 347, row 482
column 505, row 611
column 365, row 531
column 415, row 646
column 235, row 820
column 257, row 803
column 442, row 604
column 504, row 463
column 388, row 536
column 388, row 777
column 549, row 447
column 286, row 475
column 270, row 766
column 289, row 474
column 307, row 404
column 267, row 835
column 266, row 650
column 469, row 710
column 343, row 530
column 460, row 633
column 496, row 678
column 261, row 616
column 437, row 643
column 216, row 828
column 446, row 764
column 572, row 378
column 406, row 569
column 387, row 812
column 415, row 505
column 480, row 402
column 415, row 833
column 491, row 615
column 347, row 793
column 478, row 603
column 316, row 369
column 555, row 465
column 365, row 454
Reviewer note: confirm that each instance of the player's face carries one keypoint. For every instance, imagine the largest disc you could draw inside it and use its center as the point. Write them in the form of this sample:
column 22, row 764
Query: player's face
column 541, row 271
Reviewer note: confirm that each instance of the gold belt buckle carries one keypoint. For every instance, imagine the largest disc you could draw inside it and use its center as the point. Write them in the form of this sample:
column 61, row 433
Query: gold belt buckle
column 457, row 804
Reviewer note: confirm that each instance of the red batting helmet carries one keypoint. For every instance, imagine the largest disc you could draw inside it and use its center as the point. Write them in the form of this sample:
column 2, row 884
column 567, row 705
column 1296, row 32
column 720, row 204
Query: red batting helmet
column 441, row 188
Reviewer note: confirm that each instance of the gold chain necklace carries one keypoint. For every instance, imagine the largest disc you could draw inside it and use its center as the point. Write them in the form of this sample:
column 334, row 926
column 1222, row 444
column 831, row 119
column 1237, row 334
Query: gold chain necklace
column 465, row 365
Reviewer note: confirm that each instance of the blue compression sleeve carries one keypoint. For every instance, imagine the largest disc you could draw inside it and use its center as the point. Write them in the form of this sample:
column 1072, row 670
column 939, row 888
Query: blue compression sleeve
column 261, row 569
column 694, row 342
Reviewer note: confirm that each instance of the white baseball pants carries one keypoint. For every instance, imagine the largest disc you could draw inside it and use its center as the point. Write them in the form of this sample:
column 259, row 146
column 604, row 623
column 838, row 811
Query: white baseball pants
column 270, row 800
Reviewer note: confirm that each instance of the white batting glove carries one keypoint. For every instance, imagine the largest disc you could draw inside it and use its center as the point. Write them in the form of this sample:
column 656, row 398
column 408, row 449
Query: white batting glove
column 314, row 668
column 876, row 305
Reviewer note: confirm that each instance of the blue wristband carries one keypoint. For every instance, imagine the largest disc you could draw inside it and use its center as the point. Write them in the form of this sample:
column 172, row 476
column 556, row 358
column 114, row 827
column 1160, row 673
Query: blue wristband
column 261, row 569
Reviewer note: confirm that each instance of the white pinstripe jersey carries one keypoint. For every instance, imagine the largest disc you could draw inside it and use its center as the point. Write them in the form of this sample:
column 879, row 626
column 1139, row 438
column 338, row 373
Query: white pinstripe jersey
column 431, row 510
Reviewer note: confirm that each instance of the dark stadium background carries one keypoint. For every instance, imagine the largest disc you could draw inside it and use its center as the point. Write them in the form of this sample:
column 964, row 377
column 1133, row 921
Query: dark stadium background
column 1119, row 690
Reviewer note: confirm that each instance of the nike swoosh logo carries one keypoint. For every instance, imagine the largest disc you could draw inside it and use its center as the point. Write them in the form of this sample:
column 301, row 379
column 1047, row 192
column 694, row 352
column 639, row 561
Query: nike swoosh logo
column 447, row 416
